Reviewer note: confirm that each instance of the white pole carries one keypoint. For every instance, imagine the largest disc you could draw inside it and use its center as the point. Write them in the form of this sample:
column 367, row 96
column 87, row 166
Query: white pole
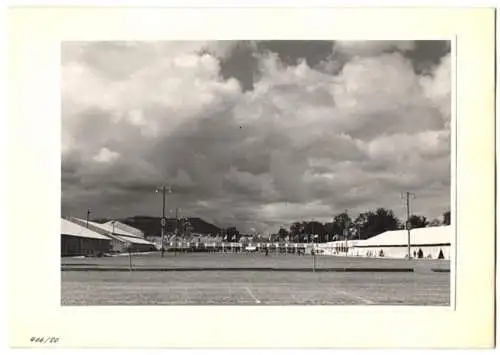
column 407, row 197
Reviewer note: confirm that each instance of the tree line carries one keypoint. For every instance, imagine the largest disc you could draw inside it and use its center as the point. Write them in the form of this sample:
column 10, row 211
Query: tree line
column 343, row 226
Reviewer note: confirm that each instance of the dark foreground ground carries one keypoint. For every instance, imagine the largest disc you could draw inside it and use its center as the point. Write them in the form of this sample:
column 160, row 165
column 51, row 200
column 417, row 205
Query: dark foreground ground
column 252, row 287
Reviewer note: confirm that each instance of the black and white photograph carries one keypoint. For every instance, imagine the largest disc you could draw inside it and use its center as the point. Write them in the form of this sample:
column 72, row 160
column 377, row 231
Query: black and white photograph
column 279, row 172
column 278, row 178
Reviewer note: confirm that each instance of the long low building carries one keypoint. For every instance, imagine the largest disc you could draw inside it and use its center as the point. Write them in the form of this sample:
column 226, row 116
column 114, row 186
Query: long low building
column 425, row 243
column 338, row 247
column 121, row 239
column 77, row 240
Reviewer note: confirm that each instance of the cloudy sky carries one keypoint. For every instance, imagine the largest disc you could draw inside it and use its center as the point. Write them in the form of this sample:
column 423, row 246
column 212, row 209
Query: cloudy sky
column 255, row 134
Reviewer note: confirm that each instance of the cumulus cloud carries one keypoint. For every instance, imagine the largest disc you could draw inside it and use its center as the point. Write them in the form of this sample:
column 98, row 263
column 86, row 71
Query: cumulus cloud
column 437, row 87
column 105, row 156
column 303, row 142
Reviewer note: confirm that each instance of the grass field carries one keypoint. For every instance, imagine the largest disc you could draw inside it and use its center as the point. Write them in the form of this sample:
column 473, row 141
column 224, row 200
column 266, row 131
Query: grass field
column 253, row 287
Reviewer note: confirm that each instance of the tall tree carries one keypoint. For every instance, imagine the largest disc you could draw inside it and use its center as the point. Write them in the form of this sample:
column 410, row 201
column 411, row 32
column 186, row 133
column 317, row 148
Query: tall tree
column 186, row 228
column 361, row 224
column 434, row 223
column 233, row 234
column 329, row 230
column 418, row 221
column 282, row 234
column 313, row 228
column 447, row 218
column 296, row 230
column 340, row 222
column 374, row 223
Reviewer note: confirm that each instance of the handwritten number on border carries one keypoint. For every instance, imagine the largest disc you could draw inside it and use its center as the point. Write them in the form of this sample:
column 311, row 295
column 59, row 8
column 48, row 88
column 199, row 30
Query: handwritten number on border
column 44, row 340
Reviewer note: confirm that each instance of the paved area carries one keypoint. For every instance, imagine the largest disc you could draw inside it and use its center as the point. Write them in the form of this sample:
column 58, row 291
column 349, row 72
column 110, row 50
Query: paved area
column 200, row 260
column 421, row 287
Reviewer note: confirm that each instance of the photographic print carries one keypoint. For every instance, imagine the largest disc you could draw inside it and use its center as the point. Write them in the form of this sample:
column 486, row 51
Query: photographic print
column 251, row 178
column 290, row 172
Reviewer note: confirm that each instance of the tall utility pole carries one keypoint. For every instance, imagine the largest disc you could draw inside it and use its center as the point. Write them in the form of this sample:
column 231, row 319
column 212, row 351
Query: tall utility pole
column 346, row 230
column 407, row 197
column 163, row 189
column 177, row 221
column 88, row 217
column 313, row 246
column 333, row 226
column 177, row 230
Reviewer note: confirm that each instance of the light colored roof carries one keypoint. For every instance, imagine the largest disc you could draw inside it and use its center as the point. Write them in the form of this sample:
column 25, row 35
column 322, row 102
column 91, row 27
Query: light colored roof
column 135, row 240
column 73, row 229
column 125, row 228
column 109, row 228
column 418, row 236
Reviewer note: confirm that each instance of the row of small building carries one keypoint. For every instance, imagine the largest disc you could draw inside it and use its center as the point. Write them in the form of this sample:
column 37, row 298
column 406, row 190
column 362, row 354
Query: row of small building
column 82, row 238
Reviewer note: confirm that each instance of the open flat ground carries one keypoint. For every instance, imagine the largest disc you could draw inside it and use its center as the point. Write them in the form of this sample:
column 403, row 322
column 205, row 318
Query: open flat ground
column 291, row 282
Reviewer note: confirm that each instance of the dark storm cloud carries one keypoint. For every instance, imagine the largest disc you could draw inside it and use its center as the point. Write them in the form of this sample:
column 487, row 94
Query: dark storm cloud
column 290, row 52
column 428, row 54
column 423, row 54
column 241, row 64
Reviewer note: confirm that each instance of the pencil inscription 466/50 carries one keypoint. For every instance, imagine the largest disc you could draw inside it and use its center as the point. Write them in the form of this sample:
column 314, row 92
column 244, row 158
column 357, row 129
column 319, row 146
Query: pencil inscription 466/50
column 44, row 340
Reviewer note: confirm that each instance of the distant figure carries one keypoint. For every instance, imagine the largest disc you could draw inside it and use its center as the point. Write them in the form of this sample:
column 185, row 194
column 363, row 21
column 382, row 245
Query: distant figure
column 267, row 252
column 441, row 255
column 420, row 254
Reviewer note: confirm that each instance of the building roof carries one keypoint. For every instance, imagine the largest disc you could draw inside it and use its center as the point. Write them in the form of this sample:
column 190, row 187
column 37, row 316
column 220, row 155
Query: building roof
column 108, row 228
column 135, row 240
column 75, row 230
column 125, row 228
column 418, row 236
